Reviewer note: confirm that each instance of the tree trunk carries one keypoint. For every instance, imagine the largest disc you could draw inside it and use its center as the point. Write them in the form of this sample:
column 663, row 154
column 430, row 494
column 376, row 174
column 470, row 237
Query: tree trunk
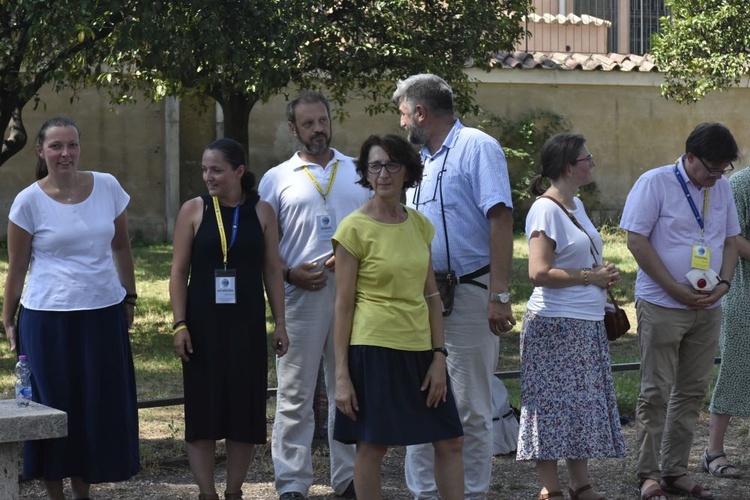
column 237, row 117
column 11, row 120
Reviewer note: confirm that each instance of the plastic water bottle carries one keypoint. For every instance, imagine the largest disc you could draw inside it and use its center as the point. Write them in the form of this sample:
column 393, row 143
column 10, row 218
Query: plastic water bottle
column 23, row 381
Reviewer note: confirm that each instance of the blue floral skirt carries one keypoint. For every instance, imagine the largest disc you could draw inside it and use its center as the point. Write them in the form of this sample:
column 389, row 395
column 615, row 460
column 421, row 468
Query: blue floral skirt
column 568, row 403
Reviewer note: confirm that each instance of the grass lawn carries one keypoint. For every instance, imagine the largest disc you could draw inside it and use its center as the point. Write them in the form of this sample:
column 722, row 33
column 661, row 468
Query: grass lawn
column 158, row 370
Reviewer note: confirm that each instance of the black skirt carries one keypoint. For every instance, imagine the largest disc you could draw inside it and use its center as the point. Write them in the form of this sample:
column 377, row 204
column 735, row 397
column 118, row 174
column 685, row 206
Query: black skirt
column 392, row 408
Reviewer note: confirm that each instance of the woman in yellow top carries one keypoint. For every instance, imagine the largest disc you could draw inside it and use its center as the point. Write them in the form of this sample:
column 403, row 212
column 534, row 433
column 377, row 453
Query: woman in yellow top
column 392, row 386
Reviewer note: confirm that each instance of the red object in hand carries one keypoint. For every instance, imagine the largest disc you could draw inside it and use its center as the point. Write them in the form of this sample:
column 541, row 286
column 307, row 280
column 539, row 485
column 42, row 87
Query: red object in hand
column 701, row 283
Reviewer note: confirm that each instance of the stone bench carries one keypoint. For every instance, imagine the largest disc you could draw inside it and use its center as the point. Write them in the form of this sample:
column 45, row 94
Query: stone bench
column 24, row 423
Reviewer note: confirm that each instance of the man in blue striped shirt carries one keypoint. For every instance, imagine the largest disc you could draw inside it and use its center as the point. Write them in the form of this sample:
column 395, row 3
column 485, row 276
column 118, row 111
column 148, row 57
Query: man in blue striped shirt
column 465, row 192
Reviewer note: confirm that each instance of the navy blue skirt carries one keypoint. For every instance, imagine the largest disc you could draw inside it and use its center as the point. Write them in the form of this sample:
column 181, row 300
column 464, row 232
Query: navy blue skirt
column 392, row 408
column 81, row 363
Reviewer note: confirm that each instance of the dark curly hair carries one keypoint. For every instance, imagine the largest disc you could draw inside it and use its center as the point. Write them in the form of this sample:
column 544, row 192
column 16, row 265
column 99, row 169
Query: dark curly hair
column 399, row 150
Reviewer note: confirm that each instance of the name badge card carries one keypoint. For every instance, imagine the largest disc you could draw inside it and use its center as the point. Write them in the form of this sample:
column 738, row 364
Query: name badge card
column 326, row 226
column 226, row 292
column 701, row 256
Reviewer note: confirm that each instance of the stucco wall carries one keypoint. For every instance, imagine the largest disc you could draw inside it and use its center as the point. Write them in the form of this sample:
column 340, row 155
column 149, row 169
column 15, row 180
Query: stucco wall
column 629, row 126
column 126, row 141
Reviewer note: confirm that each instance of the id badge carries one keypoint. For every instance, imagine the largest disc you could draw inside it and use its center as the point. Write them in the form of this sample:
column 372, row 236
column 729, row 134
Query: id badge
column 701, row 256
column 326, row 226
column 225, row 286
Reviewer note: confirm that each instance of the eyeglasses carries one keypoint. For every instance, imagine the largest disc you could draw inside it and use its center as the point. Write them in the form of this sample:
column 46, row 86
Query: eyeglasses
column 588, row 158
column 390, row 167
column 417, row 199
column 716, row 171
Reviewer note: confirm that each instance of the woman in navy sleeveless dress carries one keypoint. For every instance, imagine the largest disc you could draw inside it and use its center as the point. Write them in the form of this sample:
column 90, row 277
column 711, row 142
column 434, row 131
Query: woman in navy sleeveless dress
column 221, row 334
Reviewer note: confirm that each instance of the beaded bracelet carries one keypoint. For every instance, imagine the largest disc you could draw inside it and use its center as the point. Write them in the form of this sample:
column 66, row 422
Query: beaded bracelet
column 585, row 276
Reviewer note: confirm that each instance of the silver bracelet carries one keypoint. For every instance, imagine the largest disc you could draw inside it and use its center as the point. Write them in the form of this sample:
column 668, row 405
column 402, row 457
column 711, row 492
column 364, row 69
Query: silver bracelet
column 434, row 294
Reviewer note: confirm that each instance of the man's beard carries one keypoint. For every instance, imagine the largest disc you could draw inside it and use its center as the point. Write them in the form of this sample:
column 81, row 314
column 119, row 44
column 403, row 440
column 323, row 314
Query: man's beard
column 315, row 147
column 417, row 136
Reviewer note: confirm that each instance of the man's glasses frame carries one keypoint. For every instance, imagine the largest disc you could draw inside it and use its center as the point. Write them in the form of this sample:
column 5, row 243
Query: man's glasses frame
column 715, row 171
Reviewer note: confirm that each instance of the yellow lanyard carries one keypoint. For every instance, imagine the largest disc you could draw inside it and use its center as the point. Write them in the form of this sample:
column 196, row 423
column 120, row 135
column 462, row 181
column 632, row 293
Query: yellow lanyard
column 317, row 185
column 222, row 234
column 705, row 210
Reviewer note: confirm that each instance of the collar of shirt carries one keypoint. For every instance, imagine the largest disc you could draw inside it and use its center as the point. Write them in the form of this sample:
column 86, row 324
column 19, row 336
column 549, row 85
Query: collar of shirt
column 448, row 143
column 297, row 162
column 685, row 176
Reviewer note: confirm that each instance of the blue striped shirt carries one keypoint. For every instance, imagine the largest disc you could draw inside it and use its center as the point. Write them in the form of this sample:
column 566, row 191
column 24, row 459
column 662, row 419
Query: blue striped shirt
column 473, row 172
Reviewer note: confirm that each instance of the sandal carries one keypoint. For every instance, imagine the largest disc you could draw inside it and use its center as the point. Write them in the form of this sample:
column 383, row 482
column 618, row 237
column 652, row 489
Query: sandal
column 669, row 484
column 719, row 470
column 574, row 494
column 550, row 495
column 651, row 493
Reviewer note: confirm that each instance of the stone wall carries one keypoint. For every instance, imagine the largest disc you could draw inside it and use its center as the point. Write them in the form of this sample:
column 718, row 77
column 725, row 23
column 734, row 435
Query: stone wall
column 629, row 126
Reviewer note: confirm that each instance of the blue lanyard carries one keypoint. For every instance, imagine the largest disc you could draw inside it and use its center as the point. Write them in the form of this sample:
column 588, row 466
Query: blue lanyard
column 235, row 223
column 691, row 202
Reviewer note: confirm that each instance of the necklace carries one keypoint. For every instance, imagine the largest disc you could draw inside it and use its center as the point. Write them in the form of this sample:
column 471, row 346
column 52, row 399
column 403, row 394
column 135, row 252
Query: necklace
column 70, row 196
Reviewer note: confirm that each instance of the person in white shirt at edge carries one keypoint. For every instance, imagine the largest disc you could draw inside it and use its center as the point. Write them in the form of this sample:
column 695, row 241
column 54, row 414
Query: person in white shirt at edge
column 311, row 193
column 465, row 193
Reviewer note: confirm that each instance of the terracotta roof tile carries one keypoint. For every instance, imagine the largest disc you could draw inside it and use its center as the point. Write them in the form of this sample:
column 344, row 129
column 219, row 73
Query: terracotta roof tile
column 575, row 61
column 569, row 19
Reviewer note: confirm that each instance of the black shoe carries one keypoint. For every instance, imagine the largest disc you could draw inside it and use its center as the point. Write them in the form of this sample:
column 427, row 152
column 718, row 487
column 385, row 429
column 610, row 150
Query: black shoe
column 292, row 495
column 349, row 491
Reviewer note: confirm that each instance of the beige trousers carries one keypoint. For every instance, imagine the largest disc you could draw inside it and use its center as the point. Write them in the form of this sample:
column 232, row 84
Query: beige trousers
column 678, row 347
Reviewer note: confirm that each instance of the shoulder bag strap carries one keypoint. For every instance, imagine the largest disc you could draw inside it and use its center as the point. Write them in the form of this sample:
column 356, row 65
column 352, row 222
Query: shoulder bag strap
column 612, row 299
column 593, row 248
column 594, row 252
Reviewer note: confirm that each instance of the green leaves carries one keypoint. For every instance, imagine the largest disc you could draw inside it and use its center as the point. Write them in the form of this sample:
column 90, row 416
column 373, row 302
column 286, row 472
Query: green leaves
column 239, row 52
column 703, row 47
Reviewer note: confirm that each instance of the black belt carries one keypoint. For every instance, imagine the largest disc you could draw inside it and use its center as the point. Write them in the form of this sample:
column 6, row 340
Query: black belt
column 469, row 279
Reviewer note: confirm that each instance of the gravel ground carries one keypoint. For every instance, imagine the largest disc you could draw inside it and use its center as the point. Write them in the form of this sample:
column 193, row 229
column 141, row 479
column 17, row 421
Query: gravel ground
column 511, row 480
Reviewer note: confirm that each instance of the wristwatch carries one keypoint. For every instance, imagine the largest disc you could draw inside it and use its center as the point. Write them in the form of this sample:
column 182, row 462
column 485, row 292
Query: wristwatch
column 502, row 297
column 441, row 349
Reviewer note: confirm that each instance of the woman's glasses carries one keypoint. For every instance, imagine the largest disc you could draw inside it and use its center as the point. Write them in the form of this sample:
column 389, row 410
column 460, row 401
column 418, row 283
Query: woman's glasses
column 390, row 167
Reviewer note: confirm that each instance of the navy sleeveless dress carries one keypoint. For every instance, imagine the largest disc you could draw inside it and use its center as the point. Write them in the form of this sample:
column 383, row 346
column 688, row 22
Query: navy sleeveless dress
column 225, row 380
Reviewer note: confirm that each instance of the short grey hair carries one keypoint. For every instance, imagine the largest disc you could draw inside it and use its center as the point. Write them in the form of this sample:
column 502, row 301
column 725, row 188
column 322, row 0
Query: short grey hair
column 426, row 89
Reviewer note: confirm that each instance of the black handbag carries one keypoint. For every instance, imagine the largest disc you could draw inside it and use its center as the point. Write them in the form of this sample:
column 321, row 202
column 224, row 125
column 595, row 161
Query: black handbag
column 446, row 283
